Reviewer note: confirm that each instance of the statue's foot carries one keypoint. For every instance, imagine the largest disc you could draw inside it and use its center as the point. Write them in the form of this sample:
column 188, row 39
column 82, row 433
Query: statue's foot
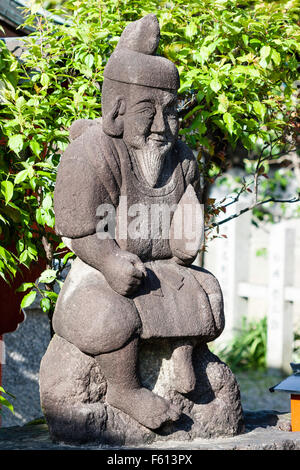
column 144, row 406
column 184, row 376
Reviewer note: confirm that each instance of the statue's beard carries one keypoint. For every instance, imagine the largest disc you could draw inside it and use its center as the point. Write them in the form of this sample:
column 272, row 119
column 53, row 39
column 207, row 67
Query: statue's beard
column 150, row 160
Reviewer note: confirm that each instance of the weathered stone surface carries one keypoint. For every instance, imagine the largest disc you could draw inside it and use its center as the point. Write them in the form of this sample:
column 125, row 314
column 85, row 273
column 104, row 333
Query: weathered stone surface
column 73, row 392
column 266, row 434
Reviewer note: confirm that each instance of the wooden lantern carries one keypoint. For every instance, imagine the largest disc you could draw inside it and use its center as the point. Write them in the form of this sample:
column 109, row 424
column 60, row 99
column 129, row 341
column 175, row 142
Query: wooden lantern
column 292, row 385
column 295, row 411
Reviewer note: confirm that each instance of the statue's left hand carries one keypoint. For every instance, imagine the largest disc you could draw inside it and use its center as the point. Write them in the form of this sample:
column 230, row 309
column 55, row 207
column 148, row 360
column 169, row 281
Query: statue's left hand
column 124, row 272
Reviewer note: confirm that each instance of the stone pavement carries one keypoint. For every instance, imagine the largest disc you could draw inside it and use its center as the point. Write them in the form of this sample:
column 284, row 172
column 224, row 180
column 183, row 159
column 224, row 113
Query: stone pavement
column 265, row 430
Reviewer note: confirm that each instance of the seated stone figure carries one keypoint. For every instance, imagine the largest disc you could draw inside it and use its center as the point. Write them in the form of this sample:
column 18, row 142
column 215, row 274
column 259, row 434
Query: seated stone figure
column 125, row 290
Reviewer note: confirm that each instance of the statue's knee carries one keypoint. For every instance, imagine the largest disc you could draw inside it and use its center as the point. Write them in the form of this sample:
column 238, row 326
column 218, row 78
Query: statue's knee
column 212, row 288
column 208, row 281
column 95, row 321
column 119, row 327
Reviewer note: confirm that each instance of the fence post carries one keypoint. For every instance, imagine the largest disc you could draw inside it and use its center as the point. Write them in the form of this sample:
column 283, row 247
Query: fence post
column 233, row 267
column 280, row 315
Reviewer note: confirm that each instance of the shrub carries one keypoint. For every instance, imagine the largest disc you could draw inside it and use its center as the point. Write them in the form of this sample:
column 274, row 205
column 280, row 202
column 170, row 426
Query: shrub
column 238, row 63
column 248, row 348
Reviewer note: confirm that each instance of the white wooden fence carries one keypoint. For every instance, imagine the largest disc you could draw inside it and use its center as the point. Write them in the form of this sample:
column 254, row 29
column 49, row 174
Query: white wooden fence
column 229, row 259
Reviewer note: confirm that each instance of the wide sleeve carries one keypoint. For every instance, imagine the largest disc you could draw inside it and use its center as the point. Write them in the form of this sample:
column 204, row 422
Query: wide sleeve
column 88, row 176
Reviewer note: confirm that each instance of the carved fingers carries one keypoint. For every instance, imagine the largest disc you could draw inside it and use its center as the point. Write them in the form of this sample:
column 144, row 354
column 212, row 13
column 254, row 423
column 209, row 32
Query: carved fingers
column 126, row 273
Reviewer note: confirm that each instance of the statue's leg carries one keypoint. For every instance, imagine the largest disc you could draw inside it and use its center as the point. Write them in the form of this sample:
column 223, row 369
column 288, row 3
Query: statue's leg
column 184, row 375
column 93, row 317
column 125, row 392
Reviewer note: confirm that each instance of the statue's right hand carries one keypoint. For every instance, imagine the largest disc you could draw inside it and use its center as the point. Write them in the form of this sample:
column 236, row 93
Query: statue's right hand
column 124, row 272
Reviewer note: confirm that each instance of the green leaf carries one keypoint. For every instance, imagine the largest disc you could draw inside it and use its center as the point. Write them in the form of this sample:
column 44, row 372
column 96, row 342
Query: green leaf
column 35, row 147
column 203, row 54
column 40, row 216
column 190, row 30
column 47, row 202
column 45, row 305
column 245, row 39
column 21, row 176
column 265, row 52
column 47, row 276
column 276, row 57
column 15, row 143
column 67, row 256
column 24, row 257
column 89, row 61
column 7, row 189
column 7, row 393
column 20, row 102
column 51, row 295
column 45, row 80
column 229, row 122
column 28, row 299
column 25, row 286
column 223, row 103
column 259, row 109
column 5, row 402
column 215, row 85
column 200, row 96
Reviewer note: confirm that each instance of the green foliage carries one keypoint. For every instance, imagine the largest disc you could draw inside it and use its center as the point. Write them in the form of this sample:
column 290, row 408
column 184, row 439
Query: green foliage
column 235, row 61
column 247, row 350
column 296, row 347
column 4, row 401
column 238, row 63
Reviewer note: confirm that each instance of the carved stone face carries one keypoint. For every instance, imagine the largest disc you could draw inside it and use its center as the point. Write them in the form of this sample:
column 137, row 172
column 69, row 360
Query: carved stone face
column 146, row 118
column 150, row 119
column 150, row 128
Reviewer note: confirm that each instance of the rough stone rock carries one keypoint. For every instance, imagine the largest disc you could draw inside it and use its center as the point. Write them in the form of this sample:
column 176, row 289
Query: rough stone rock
column 73, row 397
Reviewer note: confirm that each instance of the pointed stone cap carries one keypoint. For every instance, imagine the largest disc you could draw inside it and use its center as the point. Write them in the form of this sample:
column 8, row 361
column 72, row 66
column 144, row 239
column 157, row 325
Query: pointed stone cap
column 134, row 60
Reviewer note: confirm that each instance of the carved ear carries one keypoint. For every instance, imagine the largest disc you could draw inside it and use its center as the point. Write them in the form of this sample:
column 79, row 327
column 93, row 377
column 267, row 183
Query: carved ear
column 113, row 121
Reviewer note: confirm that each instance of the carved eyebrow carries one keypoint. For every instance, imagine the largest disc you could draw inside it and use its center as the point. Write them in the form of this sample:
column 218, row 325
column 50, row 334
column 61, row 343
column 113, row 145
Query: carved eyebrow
column 143, row 101
column 142, row 104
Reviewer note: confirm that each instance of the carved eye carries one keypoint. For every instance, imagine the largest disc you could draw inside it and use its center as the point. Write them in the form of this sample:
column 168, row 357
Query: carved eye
column 147, row 112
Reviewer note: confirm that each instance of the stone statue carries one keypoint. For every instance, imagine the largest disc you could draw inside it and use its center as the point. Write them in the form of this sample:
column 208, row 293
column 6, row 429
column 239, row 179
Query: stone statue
column 132, row 301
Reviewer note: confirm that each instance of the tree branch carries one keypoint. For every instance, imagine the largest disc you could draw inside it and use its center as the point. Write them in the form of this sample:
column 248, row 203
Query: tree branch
column 187, row 107
column 252, row 206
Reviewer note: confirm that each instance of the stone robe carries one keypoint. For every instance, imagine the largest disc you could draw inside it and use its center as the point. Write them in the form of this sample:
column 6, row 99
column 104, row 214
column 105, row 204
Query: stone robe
column 173, row 300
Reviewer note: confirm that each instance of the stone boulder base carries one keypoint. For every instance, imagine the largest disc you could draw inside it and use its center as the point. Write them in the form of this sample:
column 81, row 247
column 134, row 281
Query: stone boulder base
column 73, row 392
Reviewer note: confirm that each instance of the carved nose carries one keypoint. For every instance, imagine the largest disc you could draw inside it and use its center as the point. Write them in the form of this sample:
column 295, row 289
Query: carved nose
column 158, row 125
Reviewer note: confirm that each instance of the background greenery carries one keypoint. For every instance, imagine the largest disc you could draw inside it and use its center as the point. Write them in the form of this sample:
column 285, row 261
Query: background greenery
column 248, row 348
column 4, row 401
column 237, row 105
